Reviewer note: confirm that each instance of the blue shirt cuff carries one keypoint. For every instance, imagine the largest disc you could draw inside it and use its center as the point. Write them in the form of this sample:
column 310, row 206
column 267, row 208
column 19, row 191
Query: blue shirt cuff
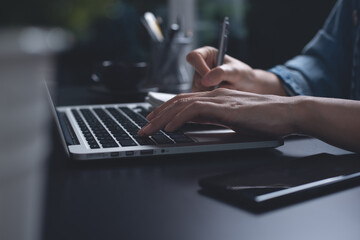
column 293, row 81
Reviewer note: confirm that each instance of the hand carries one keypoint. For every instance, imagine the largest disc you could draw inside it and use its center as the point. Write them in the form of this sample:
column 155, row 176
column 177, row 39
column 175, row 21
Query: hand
column 240, row 111
column 233, row 74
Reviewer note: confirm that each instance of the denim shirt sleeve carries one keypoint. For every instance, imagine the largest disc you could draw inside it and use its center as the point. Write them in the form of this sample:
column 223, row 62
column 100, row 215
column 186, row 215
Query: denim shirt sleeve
column 324, row 66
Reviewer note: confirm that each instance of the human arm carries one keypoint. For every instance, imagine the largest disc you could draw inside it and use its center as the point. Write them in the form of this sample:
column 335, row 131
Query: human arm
column 324, row 68
column 335, row 121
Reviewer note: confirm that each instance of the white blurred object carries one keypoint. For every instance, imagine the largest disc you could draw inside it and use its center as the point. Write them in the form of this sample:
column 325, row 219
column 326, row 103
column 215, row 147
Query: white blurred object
column 26, row 60
column 156, row 98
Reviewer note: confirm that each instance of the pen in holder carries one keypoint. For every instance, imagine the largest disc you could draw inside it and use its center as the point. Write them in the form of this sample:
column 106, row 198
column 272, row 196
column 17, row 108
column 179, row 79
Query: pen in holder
column 168, row 70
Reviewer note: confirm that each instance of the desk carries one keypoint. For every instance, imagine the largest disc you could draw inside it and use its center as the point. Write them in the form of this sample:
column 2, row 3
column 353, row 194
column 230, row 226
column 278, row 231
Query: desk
column 158, row 198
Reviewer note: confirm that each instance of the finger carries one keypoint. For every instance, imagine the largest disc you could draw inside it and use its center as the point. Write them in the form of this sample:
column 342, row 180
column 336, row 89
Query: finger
column 207, row 55
column 177, row 106
column 162, row 117
column 197, row 112
column 197, row 86
column 167, row 114
column 154, row 113
column 218, row 75
column 171, row 101
column 197, row 60
column 227, row 85
column 152, row 127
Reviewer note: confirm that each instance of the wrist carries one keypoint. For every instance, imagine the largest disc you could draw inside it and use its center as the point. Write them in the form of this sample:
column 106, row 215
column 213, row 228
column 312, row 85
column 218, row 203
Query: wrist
column 301, row 114
column 270, row 83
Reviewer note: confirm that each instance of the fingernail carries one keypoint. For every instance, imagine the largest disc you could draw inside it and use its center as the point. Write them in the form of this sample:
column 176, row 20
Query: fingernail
column 144, row 129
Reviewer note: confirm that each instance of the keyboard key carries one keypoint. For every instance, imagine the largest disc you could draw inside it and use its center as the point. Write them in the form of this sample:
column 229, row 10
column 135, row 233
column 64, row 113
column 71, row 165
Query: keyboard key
column 125, row 130
column 144, row 141
column 87, row 134
column 179, row 137
column 144, row 112
column 98, row 129
column 138, row 119
column 161, row 139
column 127, row 142
column 109, row 145
column 94, row 146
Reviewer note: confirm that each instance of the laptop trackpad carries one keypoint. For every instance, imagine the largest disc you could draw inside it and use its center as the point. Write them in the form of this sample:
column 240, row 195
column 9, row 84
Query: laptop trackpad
column 223, row 135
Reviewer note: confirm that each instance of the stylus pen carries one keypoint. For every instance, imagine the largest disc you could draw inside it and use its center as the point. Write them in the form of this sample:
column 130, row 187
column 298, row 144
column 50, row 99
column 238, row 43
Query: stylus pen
column 223, row 42
column 316, row 184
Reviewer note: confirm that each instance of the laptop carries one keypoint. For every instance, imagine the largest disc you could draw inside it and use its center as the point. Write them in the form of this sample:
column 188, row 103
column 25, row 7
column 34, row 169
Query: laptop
column 90, row 132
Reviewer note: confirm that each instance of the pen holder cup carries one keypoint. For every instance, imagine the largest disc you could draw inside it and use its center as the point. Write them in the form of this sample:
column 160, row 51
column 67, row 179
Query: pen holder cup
column 168, row 70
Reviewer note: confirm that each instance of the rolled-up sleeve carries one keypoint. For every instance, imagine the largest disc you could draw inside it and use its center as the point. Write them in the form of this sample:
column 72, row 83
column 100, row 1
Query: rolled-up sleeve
column 324, row 66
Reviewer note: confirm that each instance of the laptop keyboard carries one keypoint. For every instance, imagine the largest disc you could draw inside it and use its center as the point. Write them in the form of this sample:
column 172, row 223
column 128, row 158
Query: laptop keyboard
column 114, row 127
column 85, row 130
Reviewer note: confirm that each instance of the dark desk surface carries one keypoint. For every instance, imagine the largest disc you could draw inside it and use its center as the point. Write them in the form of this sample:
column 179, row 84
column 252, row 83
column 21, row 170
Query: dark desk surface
column 158, row 198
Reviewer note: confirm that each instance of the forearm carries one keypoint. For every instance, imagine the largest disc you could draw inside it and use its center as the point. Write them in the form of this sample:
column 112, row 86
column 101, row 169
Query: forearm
column 335, row 121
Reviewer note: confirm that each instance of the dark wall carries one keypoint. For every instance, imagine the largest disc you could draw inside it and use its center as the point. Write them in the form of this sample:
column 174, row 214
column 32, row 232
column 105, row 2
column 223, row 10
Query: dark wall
column 120, row 37
column 279, row 29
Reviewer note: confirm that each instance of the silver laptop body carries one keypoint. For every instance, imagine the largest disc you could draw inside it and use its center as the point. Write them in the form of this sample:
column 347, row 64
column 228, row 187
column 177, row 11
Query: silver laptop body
column 109, row 131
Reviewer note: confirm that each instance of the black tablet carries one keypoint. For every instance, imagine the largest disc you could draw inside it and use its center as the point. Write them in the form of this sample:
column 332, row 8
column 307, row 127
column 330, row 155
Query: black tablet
column 284, row 181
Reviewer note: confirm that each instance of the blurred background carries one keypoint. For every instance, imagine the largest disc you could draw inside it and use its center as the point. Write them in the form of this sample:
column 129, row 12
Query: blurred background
column 263, row 33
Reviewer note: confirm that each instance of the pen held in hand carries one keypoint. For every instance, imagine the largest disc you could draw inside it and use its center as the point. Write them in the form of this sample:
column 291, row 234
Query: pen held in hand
column 223, row 43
